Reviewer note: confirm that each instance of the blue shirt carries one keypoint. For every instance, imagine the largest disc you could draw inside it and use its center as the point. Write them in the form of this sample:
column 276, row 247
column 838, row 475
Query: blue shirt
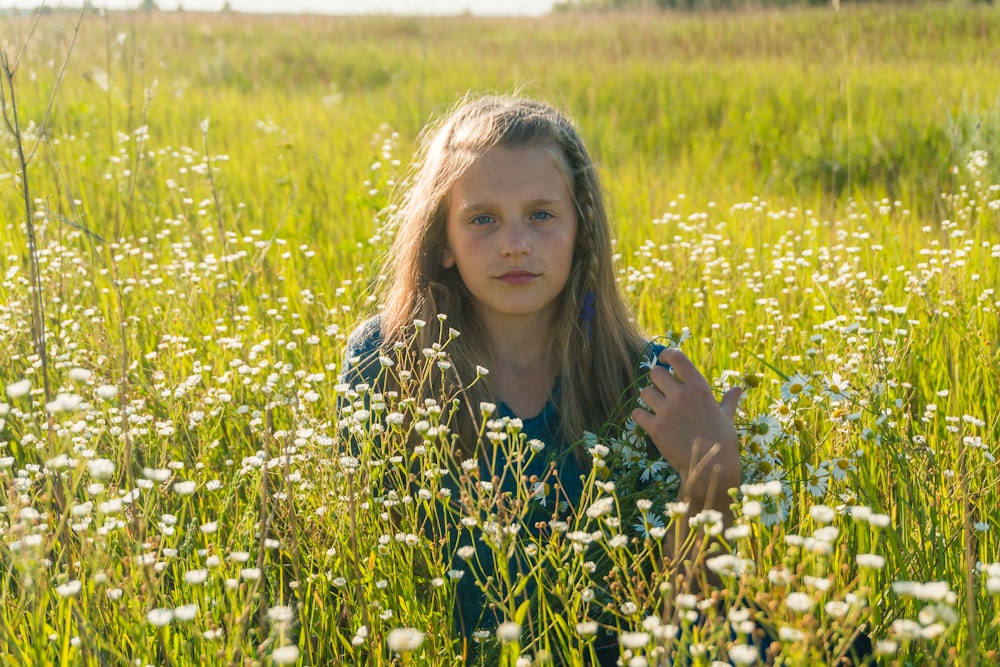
column 362, row 365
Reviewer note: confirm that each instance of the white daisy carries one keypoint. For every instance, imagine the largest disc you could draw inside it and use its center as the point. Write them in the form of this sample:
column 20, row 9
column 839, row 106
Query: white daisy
column 796, row 387
column 764, row 430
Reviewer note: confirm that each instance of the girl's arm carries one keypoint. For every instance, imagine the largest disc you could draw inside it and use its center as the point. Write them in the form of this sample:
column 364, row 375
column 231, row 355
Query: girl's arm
column 697, row 437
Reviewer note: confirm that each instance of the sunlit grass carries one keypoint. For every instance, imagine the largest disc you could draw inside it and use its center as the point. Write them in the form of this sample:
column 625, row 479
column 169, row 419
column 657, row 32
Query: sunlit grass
column 801, row 193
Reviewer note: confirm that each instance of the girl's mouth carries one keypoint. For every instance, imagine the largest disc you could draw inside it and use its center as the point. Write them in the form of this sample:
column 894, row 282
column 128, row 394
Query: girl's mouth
column 518, row 277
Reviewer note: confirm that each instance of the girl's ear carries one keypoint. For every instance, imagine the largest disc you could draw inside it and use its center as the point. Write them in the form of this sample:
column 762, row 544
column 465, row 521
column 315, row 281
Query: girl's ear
column 447, row 260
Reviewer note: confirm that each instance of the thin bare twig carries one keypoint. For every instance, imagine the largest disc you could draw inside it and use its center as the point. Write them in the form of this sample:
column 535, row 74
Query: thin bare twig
column 37, row 305
column 13, row 122
column 59, row 77
column 266, row 517
column 27, row 40
column 222, row 226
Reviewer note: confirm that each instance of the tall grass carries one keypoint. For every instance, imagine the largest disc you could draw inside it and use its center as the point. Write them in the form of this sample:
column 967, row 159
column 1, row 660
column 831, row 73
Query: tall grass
column 812, row 195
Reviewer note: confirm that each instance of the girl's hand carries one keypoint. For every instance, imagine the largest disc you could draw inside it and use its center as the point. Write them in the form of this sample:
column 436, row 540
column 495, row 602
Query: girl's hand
column 691, row 431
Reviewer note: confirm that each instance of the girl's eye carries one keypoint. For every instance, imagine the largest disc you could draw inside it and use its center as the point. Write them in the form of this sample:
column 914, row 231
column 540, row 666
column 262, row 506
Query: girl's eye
column 482, row 219
column 541, row 215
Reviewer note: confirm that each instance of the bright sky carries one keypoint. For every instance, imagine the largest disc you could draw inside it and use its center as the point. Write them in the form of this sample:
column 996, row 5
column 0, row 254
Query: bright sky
column 480, row 7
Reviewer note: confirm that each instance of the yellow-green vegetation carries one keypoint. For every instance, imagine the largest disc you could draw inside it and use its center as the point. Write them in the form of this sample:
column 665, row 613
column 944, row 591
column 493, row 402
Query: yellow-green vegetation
column 808, row 198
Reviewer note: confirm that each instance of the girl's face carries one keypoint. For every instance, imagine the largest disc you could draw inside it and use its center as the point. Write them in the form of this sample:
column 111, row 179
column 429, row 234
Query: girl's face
column 510, row 233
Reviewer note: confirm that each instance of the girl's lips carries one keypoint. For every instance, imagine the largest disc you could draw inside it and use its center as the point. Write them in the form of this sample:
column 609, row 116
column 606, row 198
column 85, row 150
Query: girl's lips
column 517, row 277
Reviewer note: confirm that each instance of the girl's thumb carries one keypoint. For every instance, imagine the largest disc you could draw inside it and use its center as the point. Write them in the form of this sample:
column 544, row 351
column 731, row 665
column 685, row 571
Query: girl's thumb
column 731, row 401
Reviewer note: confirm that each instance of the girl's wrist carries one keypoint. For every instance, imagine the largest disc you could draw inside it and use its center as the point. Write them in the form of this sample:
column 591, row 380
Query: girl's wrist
column 709, row 489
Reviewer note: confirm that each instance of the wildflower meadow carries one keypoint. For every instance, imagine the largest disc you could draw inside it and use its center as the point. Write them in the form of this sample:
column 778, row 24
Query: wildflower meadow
column 807, row 202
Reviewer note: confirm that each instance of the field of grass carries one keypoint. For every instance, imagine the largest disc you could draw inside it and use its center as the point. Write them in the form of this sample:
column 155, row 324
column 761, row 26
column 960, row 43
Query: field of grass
column 813, row 195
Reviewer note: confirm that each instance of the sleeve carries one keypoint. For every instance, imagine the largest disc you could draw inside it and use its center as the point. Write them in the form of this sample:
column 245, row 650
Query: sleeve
column 651, row 356
column 360, row 375
column 361, row 354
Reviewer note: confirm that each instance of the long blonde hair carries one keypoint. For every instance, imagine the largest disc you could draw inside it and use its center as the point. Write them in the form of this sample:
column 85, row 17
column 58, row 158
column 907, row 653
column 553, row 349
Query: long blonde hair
column 596, row 355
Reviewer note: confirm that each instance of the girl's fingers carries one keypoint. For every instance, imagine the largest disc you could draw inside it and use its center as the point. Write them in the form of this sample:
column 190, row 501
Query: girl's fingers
column 644, row 419
column 663, row 380
column 654, row 399
column 680, row 366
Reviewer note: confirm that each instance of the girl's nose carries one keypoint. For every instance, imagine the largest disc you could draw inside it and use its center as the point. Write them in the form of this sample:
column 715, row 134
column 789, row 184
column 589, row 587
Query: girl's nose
column 515, row 241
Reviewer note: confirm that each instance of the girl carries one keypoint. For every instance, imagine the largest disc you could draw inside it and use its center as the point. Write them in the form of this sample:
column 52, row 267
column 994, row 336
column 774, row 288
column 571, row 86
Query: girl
column 504, row 237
